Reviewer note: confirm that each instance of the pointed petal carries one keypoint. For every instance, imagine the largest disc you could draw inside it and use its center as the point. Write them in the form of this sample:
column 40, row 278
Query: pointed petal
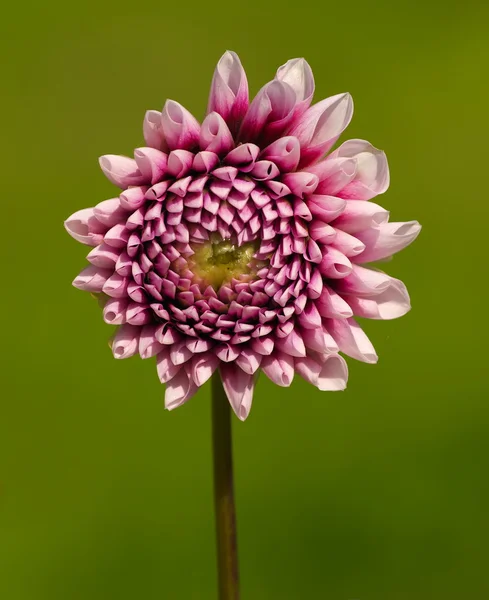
column 238, row 386
column 386, row 240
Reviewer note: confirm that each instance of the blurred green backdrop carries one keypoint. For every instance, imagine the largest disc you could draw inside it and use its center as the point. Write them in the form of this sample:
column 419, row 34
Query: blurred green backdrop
column 377, row 493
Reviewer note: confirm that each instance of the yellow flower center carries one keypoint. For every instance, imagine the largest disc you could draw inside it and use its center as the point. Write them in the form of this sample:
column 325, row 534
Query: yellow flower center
column 217, row 262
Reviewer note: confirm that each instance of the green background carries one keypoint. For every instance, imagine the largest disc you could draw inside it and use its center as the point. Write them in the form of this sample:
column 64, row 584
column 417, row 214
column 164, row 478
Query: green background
column 377, row 493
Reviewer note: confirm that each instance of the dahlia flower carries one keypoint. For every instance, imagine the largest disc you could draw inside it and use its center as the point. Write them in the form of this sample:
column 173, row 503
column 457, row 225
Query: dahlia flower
column 240, row 244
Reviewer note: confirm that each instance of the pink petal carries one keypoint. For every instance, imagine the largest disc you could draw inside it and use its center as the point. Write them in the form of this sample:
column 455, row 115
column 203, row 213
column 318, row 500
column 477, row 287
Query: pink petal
column 321, row 125
column 298, row 74
column 110, row 212
column 334, row 174
column 229, row 91
column 332, row 305
column 292, row 344
column 270, row 112
column 181, row 129
column 351, row 339
column 92, row 279
column 125, row 342
column 249, row 360
column 179, row 389
column 348, row 244
column 115, row 311
column 153, row 130
column 122, row 171
column 359, row 215
column 148, row 345
column 362, row 281
column 284, row 152
column 238, row 386
column 319, row 340
column 202, row 367
column 215, row 135
column 335, row 264
column 279, row 368
column 79, row 227
column 152, row 163
column 393, row 303
column 386, row 240
column 103, row 256
column 333, row 376
column 326, row 208
column 165, row 368
column 301, row 183
column 372, row 176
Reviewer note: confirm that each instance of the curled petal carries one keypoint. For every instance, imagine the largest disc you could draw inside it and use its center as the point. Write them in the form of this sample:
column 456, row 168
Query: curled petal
column 393, row 303
column 298, row 74
column 179, row 389
column 332, row 305
column 110, row 212
column 334, row 174
column 181, row 129
column 270, row 112
column 335, row 264
column 229, row 91
column 348, row 244
column 292, row 344
column 284, row 152
column 319, row 340
column 92, row 279
column 122, row 171
column 359, row 215
column 148, row 344
column 386, row 240
column 152, row 163
column 103, row 256
column 202, row 367
column 165, row 368
column 80, row 227
column 326, row 208
column 279, row 367
column 364, row 282
column 301, row 184
column 351, row 339
column 125, row 342
column 215, row 135
column 321, row 125
column 330, row 375
column 238, row 386
column 153, row 130
column 115, row 311
column 249, row 360
column 372, row 174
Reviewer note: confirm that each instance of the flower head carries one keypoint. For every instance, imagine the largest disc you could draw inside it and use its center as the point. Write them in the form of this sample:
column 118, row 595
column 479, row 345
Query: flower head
column 238, row 244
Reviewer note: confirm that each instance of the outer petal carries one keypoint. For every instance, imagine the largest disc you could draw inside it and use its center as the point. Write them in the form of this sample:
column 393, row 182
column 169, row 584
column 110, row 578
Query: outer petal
column 351, row 339
column 122, row 171
column 165, row 368
column 372, row 176
column 229, row 91
column 181, row 129
column 330, row 375
column 238, row 386
column 363, row 282
column 215, row 135
column 125, row 342
column 203, row 366
column 394, row 302
column 321, row 125
column 79, row 227
column 359, row 215
column 153, row 130
column 270, row 113
column 386, row 240
column 179, row 389
column 92, row 279
column 279, row 367
column 298, row 74
column 148, row 345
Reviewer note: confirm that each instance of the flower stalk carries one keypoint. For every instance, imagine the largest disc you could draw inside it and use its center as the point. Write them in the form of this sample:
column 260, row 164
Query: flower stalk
column 225, row 511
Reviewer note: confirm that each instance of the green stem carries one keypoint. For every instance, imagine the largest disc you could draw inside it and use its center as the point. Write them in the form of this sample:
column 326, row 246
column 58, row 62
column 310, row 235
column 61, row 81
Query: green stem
column 227, row 549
